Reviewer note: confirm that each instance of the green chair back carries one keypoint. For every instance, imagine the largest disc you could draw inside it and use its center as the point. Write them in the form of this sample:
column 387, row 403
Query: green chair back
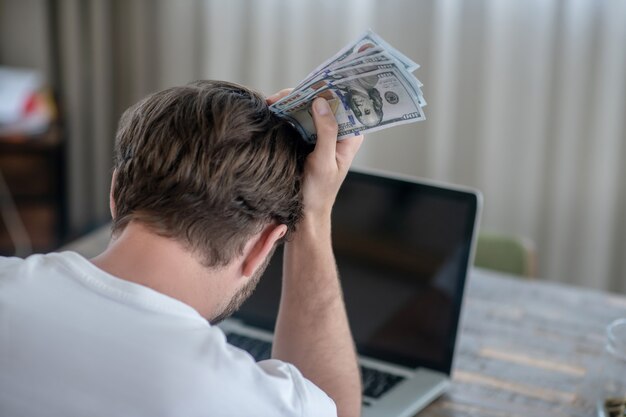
column 509, row 254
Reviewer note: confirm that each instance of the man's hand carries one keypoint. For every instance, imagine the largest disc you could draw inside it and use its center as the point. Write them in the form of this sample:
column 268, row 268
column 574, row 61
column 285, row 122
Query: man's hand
column 326, row 167
column 312, row 330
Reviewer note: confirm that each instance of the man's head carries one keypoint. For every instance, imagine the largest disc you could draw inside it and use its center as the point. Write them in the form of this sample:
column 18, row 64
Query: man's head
column 366, row 106
column 207, row 165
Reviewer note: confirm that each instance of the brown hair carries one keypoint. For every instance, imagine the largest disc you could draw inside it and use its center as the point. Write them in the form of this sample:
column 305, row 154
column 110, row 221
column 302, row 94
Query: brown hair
column 208, row 165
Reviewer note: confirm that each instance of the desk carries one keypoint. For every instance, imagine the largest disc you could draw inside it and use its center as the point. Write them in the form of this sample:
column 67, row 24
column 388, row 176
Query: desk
column 524, row 349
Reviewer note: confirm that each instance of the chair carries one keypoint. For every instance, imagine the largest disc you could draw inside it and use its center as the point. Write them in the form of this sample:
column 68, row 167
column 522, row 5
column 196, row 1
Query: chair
column 506, row 253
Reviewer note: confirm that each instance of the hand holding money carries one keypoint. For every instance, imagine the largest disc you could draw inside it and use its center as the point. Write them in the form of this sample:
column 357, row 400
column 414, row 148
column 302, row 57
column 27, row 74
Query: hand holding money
column 368, row 85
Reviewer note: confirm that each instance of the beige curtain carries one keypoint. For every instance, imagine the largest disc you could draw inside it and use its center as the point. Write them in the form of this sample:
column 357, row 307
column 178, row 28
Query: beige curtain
column 105, row 56
column 526, row 99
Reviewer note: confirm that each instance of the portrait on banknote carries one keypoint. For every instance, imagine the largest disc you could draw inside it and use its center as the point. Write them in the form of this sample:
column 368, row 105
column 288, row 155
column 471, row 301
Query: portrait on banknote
column 364, row 100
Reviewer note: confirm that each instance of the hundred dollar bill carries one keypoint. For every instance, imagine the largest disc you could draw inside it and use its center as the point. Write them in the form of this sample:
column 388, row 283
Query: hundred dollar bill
column 367, row 40
column 368, row 84
column 376, row 58
column 363, row 103
column 381, row 57
column 367, row 44
column 360, row 52
column 326, row 79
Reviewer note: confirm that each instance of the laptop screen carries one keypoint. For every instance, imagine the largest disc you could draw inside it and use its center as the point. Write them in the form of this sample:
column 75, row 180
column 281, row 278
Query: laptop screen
column 402, row 251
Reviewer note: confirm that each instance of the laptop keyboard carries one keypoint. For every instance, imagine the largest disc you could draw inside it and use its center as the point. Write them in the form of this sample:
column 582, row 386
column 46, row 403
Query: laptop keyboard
column 375, row 382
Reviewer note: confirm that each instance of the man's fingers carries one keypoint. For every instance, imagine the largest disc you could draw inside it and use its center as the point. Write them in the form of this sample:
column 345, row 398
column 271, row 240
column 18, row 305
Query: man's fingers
column 326, row 128
column 277, row 96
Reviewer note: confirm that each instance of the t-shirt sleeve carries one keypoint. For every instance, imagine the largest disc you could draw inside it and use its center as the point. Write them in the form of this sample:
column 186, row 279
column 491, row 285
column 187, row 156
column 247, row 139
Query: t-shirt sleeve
column 313, row 401
column 276, row 388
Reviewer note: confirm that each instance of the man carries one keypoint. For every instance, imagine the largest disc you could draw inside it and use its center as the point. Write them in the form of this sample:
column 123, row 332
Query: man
column 206, row 182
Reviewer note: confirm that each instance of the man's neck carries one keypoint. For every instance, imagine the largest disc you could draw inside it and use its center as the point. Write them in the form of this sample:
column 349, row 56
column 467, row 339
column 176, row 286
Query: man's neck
column 140, row 256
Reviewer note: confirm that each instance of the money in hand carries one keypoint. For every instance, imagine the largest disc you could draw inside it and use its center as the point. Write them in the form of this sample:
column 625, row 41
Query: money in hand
column 368, row 84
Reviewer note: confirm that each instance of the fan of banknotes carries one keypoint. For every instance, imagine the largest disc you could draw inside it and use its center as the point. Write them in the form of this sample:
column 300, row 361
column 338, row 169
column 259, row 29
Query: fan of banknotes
column 368, row 84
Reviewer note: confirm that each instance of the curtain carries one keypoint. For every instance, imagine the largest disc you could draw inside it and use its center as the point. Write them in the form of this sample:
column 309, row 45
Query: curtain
column 526, row 99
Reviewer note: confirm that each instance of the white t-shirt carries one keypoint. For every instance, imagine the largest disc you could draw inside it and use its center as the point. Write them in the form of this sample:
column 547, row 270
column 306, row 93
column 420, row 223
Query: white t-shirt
column 76, row 341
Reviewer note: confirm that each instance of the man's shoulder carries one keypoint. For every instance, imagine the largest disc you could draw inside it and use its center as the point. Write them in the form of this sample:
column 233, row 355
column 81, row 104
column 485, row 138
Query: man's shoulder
column 143, row 338
column 9, row 265
column 9, row 261
column 12, row 265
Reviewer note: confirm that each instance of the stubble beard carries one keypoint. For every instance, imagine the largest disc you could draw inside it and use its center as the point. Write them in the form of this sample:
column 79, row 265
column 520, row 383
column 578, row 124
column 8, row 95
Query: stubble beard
column 242, row 294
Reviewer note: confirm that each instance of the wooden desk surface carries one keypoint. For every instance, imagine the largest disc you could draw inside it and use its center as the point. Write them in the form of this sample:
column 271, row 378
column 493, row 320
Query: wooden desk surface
column 525, row 347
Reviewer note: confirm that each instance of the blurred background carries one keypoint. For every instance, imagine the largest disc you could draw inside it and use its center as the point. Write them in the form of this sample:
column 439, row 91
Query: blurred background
column 526, row 103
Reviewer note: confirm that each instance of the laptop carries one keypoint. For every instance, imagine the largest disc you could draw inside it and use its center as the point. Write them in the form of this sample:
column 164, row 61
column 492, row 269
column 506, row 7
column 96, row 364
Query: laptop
column 403, row 248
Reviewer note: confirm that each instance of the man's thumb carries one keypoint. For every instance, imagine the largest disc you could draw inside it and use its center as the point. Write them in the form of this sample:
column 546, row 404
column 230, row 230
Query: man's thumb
column 321, row 107
column 325, row 123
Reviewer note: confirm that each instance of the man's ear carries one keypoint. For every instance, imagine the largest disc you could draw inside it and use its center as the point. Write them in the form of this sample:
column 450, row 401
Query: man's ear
column 262, row 247
column 111, row 199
